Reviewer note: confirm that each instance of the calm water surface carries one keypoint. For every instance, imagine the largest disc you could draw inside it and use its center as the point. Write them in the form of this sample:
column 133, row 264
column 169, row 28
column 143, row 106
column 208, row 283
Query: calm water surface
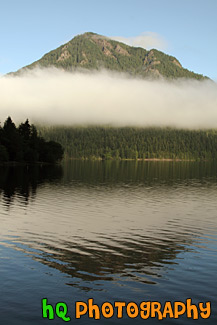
column 112, row 231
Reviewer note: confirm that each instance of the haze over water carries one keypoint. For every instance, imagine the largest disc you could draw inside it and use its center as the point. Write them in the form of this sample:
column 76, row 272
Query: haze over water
column 112, row 231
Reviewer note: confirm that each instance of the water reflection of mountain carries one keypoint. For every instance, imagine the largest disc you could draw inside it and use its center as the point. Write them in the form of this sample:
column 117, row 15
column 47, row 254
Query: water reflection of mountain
column 140, row 260
column 22, row 181
column 72, row 230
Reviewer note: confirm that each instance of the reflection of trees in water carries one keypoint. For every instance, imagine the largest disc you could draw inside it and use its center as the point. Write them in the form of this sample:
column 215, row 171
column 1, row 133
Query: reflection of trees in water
column 138, row 260
column 114, row 173
column 22, row 181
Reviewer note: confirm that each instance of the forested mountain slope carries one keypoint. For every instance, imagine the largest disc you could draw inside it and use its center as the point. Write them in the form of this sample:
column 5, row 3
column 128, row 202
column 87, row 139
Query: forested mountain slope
column 94, row 52
column 133, row 143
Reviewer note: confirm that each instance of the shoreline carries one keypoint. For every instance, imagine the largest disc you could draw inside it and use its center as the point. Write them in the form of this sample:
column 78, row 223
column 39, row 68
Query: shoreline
column 17, row 163
column 138, row 159
column 20, row 163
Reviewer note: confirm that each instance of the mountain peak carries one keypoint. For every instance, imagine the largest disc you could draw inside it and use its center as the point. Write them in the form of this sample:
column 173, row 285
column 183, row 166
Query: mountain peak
column 93, row 52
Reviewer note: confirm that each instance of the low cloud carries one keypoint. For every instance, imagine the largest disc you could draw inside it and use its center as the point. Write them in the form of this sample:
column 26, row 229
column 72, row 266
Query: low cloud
column 147, row 40
column 56, row 97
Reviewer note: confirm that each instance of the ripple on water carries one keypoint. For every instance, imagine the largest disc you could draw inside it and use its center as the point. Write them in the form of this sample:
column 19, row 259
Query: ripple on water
column 130, row 235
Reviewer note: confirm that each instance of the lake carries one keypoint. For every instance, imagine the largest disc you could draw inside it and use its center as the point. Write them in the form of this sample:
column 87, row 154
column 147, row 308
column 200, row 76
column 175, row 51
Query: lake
column 113, row 231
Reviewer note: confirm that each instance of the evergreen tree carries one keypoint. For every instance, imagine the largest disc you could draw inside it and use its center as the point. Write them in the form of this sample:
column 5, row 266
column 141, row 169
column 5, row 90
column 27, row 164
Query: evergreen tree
column 12, row 140
column 23, row 144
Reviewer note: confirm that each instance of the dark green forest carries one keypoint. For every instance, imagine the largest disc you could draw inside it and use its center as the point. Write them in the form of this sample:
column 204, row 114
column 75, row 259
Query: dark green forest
column 133, row 143
column 23, row 144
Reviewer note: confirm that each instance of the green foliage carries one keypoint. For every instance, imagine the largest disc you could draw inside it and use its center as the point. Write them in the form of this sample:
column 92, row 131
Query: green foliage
column 133, row 143
column 92, row 51
column 22, row 144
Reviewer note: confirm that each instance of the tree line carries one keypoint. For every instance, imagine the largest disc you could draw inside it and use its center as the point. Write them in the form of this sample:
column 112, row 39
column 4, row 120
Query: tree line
column 23, row 144
column 134, row 143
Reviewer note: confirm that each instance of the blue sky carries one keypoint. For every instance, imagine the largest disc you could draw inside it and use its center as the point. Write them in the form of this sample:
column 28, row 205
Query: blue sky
column 188, row 28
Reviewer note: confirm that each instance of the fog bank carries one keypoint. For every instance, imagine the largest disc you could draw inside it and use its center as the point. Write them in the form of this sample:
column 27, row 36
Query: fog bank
column 53, row 96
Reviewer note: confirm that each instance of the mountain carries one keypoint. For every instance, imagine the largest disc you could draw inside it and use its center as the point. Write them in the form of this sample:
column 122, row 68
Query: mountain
column 93, row 51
